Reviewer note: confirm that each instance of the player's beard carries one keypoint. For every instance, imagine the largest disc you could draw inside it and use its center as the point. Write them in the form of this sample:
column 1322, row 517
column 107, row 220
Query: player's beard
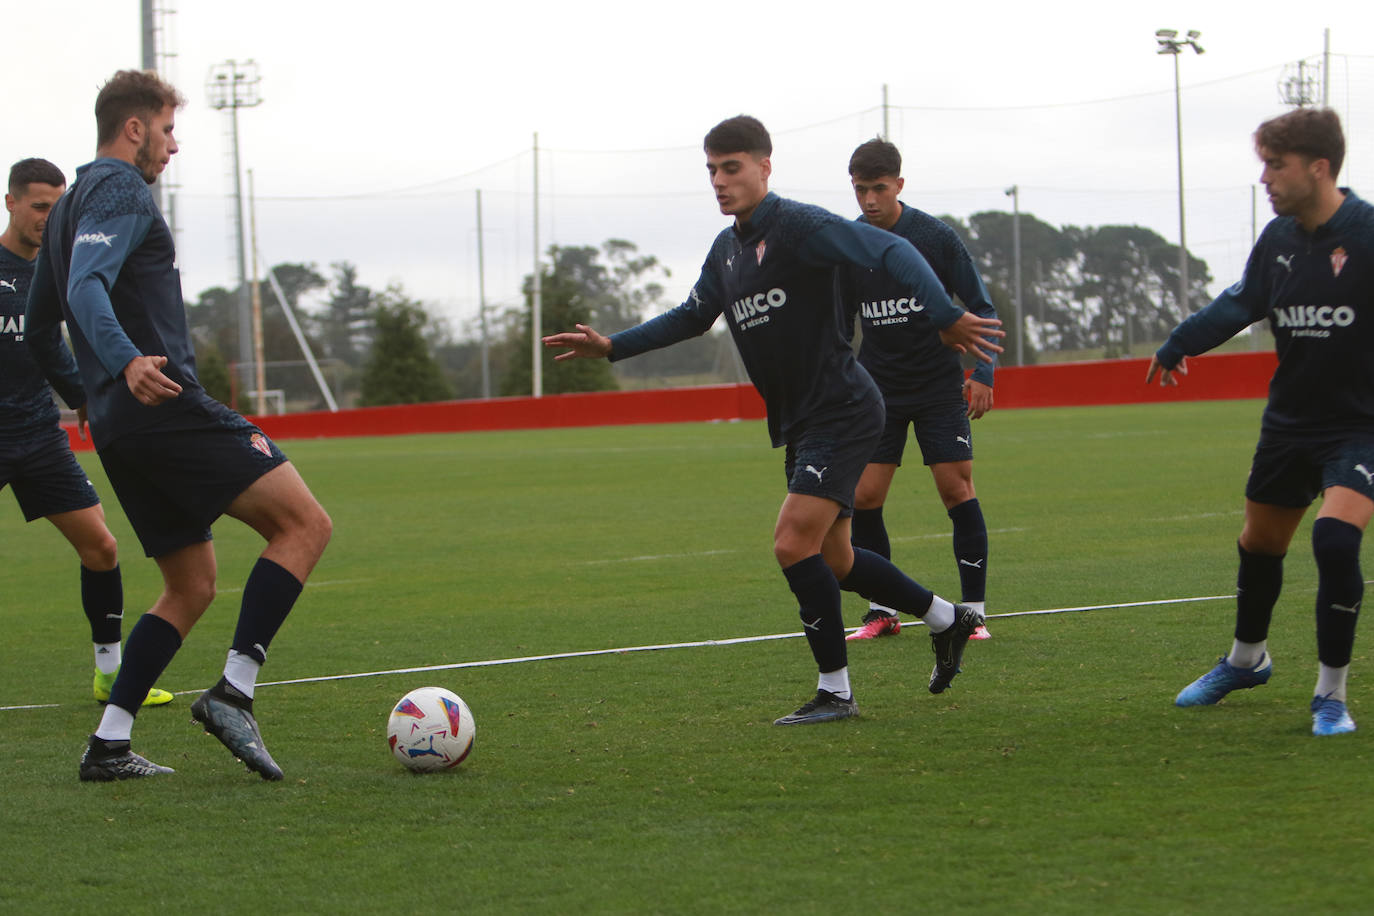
column 144, row 161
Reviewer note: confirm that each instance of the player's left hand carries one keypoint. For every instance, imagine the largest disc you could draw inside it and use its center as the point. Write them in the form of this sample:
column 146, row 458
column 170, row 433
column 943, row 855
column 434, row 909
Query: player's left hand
column 81, row 422
column 974, row 334
column 979, row 397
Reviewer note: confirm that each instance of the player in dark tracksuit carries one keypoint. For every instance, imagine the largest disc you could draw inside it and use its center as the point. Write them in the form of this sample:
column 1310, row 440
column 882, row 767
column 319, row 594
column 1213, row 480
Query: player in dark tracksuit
column 1311, row 274
column 921, row 379
column 772, row 275
column 176, row 459
column 36, row 459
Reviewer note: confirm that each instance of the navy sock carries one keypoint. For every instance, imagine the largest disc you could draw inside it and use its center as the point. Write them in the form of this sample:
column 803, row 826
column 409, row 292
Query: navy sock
column 868, row 531
column 102, row 598
column 818, row 600
column 1340, row 587
column 971, row 549
column 1257, row 590
column 878, row 580
column 268, row 597
column 152, row 643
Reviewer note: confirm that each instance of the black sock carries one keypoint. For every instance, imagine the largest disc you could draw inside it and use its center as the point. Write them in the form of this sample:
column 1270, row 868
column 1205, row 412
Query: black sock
column 818, row 600
column 99, row 747
column 1257, row 590
column 152, row 644
column 971, row 549
column 102, row 598
column 878, row 580
column 1340, row 587
column 268, row 597
column 868, row 531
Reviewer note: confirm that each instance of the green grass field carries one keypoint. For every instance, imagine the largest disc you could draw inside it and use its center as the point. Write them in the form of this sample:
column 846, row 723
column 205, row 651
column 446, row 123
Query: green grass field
column 1054, row 777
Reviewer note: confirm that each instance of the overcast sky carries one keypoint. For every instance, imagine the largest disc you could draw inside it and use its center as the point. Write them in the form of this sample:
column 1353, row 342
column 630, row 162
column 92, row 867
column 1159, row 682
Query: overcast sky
column 379, row 121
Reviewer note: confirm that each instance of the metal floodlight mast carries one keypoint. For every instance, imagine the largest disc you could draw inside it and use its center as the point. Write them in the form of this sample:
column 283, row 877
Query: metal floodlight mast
column 1171, row 44
column 233, row 85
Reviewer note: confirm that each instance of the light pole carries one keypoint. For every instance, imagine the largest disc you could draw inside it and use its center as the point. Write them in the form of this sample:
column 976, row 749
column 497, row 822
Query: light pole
column 234, row 85
column 1170, row 43
column 1014, row 192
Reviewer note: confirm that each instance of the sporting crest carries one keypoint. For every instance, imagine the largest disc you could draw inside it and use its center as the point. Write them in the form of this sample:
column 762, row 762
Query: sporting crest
column 1338, row 259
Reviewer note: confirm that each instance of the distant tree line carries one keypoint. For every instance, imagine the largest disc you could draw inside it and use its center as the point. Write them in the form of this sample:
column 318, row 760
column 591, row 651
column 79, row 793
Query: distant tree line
column 1103, row 288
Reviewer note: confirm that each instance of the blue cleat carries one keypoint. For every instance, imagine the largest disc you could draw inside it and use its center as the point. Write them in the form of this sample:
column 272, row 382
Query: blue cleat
column 1222, row 679
column 1330, row 717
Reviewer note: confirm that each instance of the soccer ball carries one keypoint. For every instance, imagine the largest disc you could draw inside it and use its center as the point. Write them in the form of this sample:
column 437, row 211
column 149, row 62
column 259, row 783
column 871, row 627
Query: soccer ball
column 430, row 729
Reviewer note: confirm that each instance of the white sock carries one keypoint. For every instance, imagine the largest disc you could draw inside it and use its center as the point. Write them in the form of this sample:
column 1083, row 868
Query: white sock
column 1246, row 654
column 940, row 615
column 1331, row 682
column 242, row 672
column 116, row 725
column 107, row 657
column 881, row 609
column 837, row 682
column 979, row 606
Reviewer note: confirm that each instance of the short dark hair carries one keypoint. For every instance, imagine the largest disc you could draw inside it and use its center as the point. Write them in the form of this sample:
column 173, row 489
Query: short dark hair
column 34, row 171
column 875, row 158
column 131, row 94
column 1312, row 132
column 740, row 134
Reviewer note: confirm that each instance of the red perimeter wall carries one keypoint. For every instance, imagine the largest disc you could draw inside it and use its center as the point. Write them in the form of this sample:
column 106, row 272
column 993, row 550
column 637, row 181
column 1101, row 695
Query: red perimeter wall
column 1226, row 376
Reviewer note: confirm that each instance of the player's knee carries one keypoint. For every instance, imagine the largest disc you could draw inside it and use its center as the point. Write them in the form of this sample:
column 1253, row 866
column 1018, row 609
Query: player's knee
column 1335, row 542
column 100, row 554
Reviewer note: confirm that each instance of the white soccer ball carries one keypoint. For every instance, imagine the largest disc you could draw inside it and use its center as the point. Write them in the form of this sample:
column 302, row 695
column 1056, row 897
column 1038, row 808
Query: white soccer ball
column 430, row 729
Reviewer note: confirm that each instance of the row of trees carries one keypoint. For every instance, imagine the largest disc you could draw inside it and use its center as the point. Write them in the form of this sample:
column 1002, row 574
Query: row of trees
column 1104, row 288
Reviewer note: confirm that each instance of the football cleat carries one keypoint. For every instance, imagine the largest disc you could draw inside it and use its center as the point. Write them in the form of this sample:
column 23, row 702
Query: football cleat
column 826, row 707
column 949, row 643
column 105, row 682
column 1330, row 717
column 101, row 763
column 237, row 730
column 877, row 623
column 1222, row 679
column 980, row 633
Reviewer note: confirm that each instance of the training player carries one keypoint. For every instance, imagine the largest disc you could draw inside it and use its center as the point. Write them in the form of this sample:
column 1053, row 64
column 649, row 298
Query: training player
column 1312, row 275
column 35, row 455
column 772, row 275
column 921, row 380
column 176, row 458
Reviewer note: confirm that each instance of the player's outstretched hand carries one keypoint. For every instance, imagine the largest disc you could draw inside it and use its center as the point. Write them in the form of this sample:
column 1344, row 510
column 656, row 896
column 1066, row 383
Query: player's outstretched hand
column 1166, row 376
column 584, row 342
column 979, row 397
column 974, row 334
column 146, row 382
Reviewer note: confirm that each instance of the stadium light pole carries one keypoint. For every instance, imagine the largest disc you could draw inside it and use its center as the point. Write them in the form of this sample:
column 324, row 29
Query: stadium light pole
column 234, row 85
column 1171, row 44
column 1014, row 192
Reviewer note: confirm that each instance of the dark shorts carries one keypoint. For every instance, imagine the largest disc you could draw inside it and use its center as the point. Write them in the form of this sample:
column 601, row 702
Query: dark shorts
column 174, row 479
column 46, row 477
column 1292, row 473
column 942, row 430
column 828, row 459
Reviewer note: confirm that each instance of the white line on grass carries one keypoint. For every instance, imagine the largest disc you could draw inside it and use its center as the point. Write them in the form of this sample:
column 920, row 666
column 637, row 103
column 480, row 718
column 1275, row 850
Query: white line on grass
column 697, row 644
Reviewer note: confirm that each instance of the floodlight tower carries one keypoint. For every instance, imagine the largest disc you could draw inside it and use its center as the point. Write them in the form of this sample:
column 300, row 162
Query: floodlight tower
column 1170, row 43
column 233, row 85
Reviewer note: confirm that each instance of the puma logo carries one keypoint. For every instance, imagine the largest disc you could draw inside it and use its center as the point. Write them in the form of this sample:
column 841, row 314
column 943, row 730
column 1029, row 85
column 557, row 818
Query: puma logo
column 820, row 475
column 1286, row 261
column 1368, row 477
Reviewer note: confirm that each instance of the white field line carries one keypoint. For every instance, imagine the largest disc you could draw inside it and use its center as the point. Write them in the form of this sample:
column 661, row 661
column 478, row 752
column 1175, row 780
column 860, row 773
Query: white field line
column 697, row 644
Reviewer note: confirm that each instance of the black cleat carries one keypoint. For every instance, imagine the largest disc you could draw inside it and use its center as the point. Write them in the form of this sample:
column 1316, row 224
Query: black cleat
column 108, row 761
column 826, row 707
column 948, row 646
column 237, row 730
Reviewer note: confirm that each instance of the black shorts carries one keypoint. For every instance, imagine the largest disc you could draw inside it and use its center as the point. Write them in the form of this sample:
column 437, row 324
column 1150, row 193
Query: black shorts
column 174, row 479
column 1291, row 473
column 828, row 459
column 942, row 430
column 46, row 477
